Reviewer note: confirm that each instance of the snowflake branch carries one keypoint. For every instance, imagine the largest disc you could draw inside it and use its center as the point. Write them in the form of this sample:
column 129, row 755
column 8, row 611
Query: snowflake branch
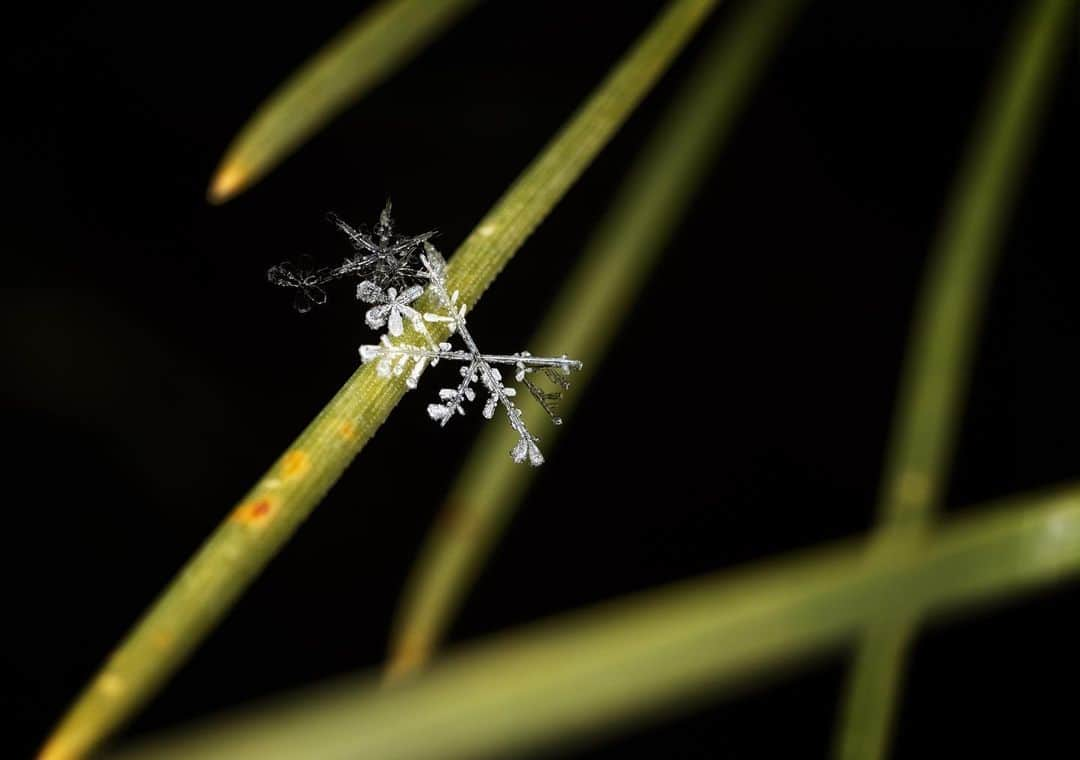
column 526, row 446
column 370, row 352
column 453, row 399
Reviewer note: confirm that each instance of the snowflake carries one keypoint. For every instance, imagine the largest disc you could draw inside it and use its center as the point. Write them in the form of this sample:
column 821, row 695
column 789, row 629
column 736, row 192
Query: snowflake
column 383, row 259
column 394, row 275
column 305, row 278
column 393, row 359
column 391, row 307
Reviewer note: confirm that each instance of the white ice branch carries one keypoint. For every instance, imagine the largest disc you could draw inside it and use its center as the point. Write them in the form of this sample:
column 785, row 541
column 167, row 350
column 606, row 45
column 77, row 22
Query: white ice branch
column 394, row 359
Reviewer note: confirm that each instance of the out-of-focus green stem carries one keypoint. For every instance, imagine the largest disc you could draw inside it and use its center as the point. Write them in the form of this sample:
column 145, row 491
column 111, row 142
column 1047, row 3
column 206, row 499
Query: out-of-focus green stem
column 586, row 315
column 942, row 343
column 365, row 53
column 233, row 556
column 617, row 664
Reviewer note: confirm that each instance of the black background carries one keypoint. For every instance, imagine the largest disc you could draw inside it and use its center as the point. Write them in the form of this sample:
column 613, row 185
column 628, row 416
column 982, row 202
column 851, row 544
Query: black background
column 151, row 374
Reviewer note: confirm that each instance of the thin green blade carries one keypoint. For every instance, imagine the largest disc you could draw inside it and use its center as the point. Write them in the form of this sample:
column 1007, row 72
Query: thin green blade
column 612, row 666
column 586, row 315
column 364, row 54
column 233, row 556
column 942, row 342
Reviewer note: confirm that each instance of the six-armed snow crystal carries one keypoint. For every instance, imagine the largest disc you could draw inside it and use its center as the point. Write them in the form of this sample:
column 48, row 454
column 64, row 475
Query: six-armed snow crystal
column 393, row 275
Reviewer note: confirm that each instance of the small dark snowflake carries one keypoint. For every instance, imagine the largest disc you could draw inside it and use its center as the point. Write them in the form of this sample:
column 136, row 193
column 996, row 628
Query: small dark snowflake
column 382, row 258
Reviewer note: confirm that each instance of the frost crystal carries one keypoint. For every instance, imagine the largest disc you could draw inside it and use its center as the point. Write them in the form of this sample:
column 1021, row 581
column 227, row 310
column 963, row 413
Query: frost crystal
column 382, row 259
column 391, row 282
column 476, row 367
column 391, row 307
column 304, row 278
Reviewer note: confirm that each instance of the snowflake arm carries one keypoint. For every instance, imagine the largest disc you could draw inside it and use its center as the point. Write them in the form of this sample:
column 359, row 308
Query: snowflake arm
column 391, row 308
column 360, row 241
column 453, row 399
column 304, row 278
column 498, row 393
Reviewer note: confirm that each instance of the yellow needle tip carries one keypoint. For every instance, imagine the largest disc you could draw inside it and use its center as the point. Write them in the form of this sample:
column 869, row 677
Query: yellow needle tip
column 54, row 750
column 228, row 181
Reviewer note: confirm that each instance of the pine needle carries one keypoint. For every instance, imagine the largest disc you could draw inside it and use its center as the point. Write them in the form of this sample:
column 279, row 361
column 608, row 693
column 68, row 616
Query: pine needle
column 585, row 317
column 257, row 527
column 616, row 665
column 370, row 49
column 941, row 346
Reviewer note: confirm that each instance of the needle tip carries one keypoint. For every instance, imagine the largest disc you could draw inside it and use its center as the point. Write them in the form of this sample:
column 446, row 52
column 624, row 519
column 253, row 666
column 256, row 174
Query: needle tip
column 55, row 750
column 228, row 181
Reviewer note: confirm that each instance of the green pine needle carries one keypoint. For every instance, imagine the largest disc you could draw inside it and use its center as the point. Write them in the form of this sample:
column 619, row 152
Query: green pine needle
column 585, row 317
column 619, row 664
column 365, row 53
column 270, row 513
column 942, row 343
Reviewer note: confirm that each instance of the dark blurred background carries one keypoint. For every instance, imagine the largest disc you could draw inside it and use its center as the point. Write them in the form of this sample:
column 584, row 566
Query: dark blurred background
column 151, row 374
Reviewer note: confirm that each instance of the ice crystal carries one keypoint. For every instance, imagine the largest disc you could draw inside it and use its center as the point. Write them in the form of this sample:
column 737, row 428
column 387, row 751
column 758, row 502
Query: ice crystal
column 391, row 308
column 305, row 278
column 393, row 277
column 383, row 259
column 477, row 368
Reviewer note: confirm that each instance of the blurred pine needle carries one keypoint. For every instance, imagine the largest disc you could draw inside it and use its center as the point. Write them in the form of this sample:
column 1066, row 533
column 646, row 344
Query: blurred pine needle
column 941, row 347
column 585, row 317
column 270, row 513
column 371, row 48
column 638, row 658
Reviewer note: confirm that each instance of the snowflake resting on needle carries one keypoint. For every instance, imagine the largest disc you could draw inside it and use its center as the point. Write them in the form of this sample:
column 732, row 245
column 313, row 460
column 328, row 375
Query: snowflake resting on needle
column 391, row 283
column 476, row 367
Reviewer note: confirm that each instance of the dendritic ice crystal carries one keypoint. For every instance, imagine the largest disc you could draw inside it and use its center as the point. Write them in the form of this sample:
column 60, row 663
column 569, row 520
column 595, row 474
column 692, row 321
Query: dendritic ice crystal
column 394, row 274
column 382, row 258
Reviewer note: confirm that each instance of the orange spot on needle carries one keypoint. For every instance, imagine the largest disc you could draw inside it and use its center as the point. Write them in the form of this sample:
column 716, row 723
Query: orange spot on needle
column 347, row 431
column 254, row 513
column 294, row 464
